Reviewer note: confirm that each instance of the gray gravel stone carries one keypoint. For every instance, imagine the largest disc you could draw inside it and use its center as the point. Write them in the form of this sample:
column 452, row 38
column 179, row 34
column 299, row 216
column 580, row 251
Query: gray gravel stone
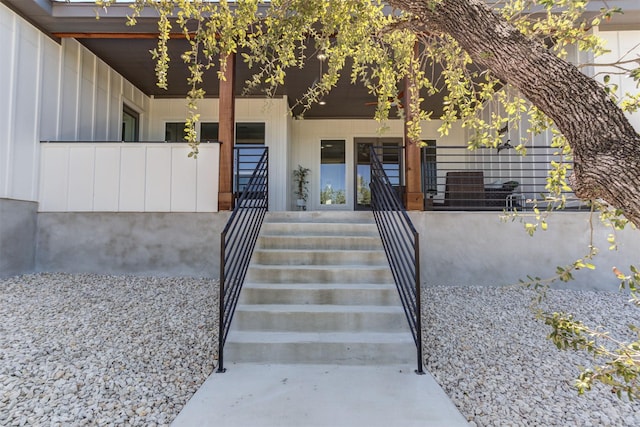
column 485, row 348
column 85, row 349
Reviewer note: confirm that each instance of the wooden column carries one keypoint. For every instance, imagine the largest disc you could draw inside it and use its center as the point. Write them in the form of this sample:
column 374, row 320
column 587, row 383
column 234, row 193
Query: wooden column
column 226, row 135
column 414, row 198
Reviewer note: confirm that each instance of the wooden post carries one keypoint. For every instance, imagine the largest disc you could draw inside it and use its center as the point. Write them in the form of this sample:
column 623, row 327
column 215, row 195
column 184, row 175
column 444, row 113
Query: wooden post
column 226, row 135
column 414, row 198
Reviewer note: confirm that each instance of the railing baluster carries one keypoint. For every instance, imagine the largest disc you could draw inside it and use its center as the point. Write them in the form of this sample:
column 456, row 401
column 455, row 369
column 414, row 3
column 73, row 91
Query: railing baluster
column 401, row 245
column 238, row 239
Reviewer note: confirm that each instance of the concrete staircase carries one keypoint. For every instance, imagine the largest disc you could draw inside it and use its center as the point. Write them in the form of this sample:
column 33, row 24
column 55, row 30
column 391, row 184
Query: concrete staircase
column 319, row 290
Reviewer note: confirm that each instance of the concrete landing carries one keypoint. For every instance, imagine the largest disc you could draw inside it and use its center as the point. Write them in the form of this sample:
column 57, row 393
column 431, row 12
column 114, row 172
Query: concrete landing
column 253, row 395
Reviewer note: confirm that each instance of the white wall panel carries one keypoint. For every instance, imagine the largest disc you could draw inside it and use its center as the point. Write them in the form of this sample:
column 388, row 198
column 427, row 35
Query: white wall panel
column 114, row 127
column 132, row 178
column 81, row 177
column 274, row 113
column 54, row 92
column 54, row 177
column 158, row 179
column 101, row 116
column 69, row 98
column 87, row 96
column 50, row 91
column 8, row 49
column 622, row 45
column 25, row 116
column 106, row 179
column 207, row 178
column 184, row 171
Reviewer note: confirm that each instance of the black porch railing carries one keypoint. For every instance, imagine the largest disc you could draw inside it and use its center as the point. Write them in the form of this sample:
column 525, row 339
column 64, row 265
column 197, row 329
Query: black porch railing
column 237, row 242
column 456, row 178
column 401, row 244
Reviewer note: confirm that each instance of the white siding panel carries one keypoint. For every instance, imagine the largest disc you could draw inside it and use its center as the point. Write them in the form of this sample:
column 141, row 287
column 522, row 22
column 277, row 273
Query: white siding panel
column 86, row 111
column 132, row 178
column 7, row 50
column 115, row 122
column 101, row 130
column 25, row 116
column 158, row 178
column 69, row 101
column 207, row 185
column 622, row 45
column 114, row 177
column 54, row 177
column 183, row 180
column 107, row 179
column 81, row 171
column 49, row 100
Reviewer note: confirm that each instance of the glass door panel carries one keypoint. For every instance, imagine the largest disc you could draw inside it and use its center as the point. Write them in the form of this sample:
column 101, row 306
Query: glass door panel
column 389, row 151
column 332, row 172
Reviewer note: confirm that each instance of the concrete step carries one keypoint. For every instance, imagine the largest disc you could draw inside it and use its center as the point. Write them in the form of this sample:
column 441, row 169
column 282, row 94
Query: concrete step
column 318, row 274
column 318, row 318
column 319, row 229
column 319, row 293
column 319, row 257
column 336, row 348
column 320, row 242
column 319, row 290
column 351, row 217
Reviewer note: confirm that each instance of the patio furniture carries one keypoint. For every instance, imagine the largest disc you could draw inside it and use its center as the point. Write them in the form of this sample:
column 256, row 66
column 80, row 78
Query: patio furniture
column 465, row 189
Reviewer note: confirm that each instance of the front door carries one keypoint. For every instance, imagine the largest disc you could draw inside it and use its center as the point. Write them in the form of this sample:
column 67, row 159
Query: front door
column 389, row 151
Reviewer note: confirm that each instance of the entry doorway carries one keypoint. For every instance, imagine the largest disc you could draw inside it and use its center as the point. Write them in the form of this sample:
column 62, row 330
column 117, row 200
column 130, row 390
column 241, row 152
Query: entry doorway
column 389, row 151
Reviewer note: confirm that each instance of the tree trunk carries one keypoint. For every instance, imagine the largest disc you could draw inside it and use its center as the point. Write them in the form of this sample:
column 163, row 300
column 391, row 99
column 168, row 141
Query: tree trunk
column 606, row 147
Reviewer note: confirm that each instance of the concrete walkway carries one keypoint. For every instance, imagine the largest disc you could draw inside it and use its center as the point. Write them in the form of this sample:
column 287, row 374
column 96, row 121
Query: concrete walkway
column 255, row 395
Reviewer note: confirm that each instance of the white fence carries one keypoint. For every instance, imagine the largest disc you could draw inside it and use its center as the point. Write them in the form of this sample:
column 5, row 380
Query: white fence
column 128, row 177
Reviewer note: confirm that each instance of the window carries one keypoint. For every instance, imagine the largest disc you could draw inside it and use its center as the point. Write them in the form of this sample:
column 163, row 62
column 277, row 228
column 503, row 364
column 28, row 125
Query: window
column 174, row 132
column 130, row 120
column 246, row 132
column 209, row 131
column 332, row 172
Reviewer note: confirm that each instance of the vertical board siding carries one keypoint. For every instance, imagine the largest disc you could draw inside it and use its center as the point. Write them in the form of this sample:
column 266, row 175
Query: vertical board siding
column 622, row 45
column 54, row 177
column 184, row 181
column 207, row 179
column 81, row 179
column 158, row 179
column 107, row 172
column 115, row 177
column 52, row 92
column 131, row 180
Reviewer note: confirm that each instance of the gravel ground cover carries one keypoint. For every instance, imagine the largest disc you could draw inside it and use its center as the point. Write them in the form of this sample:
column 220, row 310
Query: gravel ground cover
column 492, row 357
column 102, row 350
column 109, row 350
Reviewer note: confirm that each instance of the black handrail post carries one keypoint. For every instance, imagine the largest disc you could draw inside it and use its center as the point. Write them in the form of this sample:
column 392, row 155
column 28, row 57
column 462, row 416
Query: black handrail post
column 221, row 368
column 416, row 238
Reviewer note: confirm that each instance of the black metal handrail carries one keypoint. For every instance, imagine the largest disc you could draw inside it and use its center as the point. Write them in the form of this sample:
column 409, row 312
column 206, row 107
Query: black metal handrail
column 237, row 242
column 401, row 245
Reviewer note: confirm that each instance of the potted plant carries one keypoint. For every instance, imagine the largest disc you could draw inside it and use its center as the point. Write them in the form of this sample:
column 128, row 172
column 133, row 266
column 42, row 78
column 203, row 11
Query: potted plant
column 300, row 186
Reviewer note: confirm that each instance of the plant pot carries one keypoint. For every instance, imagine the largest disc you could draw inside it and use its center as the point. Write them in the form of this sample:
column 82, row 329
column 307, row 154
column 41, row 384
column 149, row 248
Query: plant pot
column 301, row 204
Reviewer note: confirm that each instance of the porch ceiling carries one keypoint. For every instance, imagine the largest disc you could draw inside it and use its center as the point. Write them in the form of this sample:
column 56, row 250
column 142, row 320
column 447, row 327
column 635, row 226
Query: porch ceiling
column 126, row 50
